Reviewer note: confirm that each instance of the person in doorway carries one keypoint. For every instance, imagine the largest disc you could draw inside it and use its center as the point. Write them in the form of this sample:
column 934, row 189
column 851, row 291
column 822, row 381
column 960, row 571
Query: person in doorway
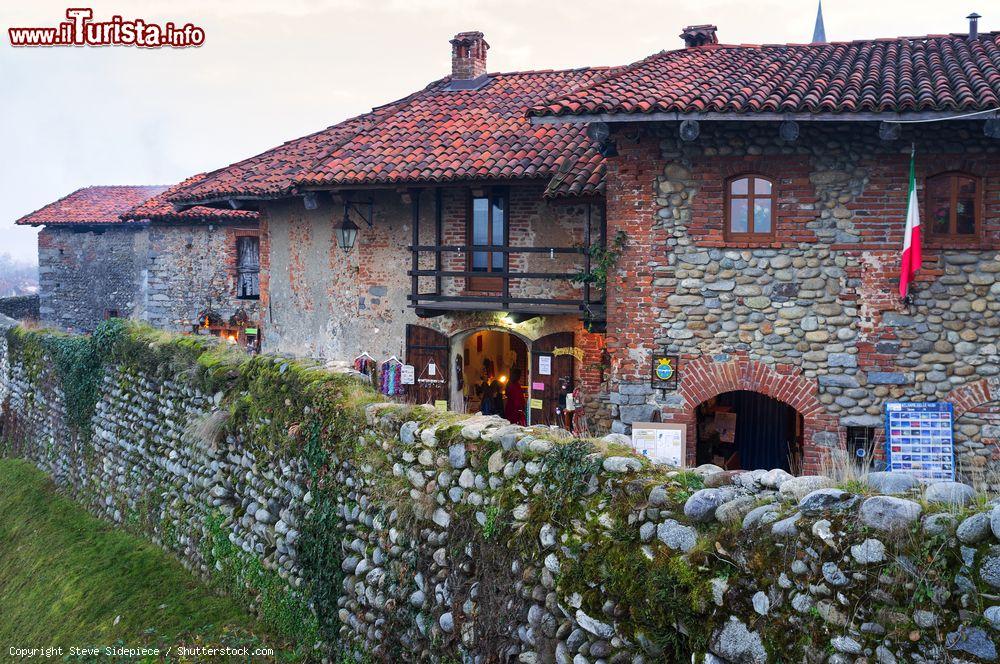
column 514, row 410
column 492, row 403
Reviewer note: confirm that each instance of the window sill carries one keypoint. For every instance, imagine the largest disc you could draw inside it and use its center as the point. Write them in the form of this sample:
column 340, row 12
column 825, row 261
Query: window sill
column 252, row 298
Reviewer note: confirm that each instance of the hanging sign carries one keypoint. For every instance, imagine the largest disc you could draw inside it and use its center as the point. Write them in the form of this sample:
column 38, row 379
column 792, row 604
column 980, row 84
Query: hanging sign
column 664, row 372
column 432, row 368
column 536, row 404
column 407, row 374
column 919, row 439
column 544, row 365
column 662, row 442
column 569, row 350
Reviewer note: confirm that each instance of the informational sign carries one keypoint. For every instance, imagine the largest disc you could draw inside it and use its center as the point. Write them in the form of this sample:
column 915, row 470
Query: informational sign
column 664, row 372
column 662, row 442
column 250, row 331
column 544, row 365
column 537, row 387
column 432, row 369
column 407, row 376
column 441, row 404
column 919, row 439
column 536, row 404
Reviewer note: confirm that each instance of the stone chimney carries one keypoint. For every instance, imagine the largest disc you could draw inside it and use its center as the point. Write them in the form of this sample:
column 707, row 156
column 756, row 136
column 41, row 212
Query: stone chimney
column 699, row 35
column 468, row 56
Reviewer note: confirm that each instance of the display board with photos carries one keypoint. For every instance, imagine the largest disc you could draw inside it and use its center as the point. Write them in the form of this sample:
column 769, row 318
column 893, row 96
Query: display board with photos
column 919, row 440
column 661, row 442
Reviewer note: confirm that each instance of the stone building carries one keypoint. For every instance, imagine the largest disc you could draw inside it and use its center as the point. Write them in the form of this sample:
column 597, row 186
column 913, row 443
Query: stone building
column 764, row 193
column 441, row 229
column 761, row 192
column 123, row 251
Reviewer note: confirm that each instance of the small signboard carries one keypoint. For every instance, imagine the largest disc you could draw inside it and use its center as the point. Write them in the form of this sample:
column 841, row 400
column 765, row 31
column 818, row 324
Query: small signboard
column 662, row 442
column 664, row 372
column 538, row 387
column 441, row 404
column 919, row 439
column 544, row 365
column 407, row 376
column 536, row 404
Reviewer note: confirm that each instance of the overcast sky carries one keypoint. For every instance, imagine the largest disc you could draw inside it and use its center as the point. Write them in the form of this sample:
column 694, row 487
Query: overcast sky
column 274, row 70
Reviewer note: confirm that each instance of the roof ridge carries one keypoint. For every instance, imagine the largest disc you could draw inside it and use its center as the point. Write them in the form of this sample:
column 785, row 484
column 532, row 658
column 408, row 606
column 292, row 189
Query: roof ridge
column 841, row 42
column 614, row 72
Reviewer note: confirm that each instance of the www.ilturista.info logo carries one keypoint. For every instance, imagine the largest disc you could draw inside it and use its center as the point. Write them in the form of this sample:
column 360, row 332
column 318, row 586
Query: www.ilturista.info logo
column 81, row 30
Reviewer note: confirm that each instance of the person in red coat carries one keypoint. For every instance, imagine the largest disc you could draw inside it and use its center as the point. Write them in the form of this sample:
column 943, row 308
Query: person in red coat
column 514, row 408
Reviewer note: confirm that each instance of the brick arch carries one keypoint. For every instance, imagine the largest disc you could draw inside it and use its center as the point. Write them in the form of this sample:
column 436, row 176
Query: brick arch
column 703, row 378
column 966, row 397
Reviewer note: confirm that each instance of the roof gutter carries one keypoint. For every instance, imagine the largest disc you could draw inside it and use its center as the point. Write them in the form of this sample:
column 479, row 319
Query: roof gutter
column 764, row 117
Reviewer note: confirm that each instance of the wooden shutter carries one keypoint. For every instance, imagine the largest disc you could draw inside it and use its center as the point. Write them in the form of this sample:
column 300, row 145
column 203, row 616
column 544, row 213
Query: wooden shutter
column 424, row 346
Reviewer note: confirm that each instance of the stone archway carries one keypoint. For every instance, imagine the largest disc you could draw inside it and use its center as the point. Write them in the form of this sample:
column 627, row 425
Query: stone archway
column 704, row 378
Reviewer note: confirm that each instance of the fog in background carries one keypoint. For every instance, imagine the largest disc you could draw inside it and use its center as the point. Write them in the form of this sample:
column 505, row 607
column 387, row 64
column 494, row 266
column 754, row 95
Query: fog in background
column 271, row 71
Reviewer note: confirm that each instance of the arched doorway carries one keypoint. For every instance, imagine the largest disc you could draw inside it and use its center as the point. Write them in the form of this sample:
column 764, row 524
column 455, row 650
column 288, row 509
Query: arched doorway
column 490, row 365
column 747, row 430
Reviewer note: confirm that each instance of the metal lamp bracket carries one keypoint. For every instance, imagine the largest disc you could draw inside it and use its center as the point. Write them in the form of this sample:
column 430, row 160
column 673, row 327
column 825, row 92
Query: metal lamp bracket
column 363, row 209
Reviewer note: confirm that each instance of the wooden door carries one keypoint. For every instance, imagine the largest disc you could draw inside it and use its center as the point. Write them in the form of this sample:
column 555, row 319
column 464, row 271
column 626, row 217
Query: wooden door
column 556, row 381
column 427, row 350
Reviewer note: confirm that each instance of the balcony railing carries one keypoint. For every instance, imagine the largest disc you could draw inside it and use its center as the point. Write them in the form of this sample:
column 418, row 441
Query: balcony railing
column 445, row 288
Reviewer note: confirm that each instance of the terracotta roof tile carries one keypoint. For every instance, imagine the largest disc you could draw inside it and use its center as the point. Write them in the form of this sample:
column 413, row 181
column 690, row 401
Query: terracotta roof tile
column 91, row 205
column 932, row 73
column 435, row 135
column 160, row 209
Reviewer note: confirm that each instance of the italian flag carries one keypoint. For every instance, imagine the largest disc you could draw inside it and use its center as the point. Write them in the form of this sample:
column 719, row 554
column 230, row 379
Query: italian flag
column 911, row 260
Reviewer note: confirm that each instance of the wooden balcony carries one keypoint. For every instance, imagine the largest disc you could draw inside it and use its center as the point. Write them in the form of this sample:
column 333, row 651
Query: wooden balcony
column 514, row 279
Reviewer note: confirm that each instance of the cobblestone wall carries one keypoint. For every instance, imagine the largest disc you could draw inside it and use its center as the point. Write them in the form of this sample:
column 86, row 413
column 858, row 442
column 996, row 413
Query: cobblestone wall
column 413, row 535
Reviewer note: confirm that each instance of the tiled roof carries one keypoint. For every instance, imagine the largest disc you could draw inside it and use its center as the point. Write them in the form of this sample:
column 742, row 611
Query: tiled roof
column 275, row 172
column 933, row 73
column 578, row 175
column 159, row 209
column 435, row 135
column 91, row 205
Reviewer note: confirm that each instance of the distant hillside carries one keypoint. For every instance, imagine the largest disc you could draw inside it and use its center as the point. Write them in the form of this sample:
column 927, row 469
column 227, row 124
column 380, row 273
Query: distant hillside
column 17, row 277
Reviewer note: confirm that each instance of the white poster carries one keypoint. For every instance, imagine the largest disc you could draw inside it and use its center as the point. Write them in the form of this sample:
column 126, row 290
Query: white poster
column 406, row 374
column 545, row 365
column 662, row 442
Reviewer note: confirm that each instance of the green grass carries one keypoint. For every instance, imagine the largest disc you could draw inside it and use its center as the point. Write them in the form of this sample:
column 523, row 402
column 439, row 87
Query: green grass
column 68, row 579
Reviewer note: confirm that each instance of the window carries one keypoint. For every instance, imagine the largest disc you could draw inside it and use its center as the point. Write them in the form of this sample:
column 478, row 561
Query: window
column 248, row 267
column 487, row 228
column 749, row 207
column 861, row 446
column 953, row 206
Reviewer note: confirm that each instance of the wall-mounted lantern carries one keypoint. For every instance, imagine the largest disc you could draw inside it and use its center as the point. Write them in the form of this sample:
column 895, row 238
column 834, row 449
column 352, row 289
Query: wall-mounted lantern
column 347, row 232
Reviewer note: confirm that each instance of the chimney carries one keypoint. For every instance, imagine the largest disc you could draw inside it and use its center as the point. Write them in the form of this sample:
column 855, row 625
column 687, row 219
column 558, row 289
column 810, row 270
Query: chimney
column 973, row 25
column 468, row 56
column 699, row 35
